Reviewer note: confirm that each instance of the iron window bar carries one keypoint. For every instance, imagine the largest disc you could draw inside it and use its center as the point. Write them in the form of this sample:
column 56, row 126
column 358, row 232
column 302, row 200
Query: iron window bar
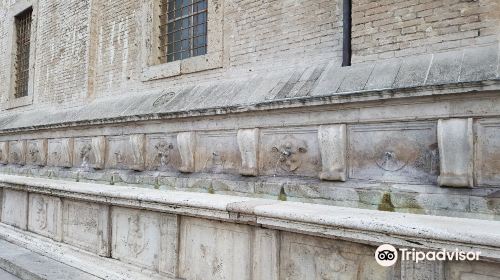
column 183, row 29
column 23, row 40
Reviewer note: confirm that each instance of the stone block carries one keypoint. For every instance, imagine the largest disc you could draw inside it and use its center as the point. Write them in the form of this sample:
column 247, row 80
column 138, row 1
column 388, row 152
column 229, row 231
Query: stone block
column 4, row 152
column 413, row 71
column 17, row 152
column 266, row 248
column 330, row 80
column 473, row 270
column 36, row 153
column 219, row 250
column 248, row 142
column 146, row 239
column 307, row 257
column 89, row 152
column 126, row 152
column 86, row 226
column 399, row 152
column 487, row 158
column 455, row 138
column 45, row 216
column 186, row 142
column 356, row 77
column 231, row 186
column 289, row 152
column 15, row 208
column 479, row 64
column 428, row 270
column 217, row 152
column 383, row 74
column 332, row 141
column 60, row 152
column 162, row 153
column 445, row 68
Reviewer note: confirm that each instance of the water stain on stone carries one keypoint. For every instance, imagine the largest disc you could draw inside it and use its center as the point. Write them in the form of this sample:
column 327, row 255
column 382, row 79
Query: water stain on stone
column 282, row 195
column 386, row 203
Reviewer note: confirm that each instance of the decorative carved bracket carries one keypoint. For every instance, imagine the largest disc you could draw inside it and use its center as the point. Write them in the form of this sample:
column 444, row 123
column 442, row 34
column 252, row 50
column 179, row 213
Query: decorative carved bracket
column 248, row 142
column 456, row 148
column 138, row 149
column 66, row 152
column 98, row 151
column 4, row 152
column 332, row 144
column 187, row 145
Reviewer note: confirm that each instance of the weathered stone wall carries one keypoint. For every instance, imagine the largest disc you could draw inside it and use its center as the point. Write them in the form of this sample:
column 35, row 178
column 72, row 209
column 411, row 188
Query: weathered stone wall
column 95, row 49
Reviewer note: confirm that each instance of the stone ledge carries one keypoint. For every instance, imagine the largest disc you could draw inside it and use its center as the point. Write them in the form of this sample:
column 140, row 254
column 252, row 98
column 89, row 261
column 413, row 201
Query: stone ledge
column 364, row 226
column 101, row 268
column 32, row 266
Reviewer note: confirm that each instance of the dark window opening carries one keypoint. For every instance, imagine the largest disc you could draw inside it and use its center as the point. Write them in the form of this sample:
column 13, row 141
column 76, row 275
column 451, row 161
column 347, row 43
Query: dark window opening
column 22, row 59
column 183, row 29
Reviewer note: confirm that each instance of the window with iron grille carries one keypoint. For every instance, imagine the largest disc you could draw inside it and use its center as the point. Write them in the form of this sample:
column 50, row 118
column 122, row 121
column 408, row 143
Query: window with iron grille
column 183, row 29
column 22, row 59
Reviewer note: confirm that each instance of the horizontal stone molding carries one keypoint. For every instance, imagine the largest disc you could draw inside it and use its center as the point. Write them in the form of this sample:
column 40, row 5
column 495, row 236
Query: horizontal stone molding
column 357, row 225
column 79, row 117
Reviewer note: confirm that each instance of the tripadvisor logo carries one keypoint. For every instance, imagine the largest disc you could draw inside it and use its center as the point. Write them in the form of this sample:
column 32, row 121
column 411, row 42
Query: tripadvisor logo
column 387, row 255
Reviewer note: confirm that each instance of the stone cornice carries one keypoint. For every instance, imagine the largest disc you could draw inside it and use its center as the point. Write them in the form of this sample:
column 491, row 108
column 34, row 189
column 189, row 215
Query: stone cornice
column 81, row 117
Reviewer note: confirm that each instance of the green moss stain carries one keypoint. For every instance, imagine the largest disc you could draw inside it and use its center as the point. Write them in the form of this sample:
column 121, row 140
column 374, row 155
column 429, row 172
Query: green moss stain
column 211, row 189
column 282, row 195
column 386, row 203
column 157, row 183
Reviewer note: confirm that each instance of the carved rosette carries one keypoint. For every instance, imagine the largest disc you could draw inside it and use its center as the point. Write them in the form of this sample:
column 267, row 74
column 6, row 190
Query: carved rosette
column 162, row 150
column 37, row 152
column 17, row 152
column 288, row 154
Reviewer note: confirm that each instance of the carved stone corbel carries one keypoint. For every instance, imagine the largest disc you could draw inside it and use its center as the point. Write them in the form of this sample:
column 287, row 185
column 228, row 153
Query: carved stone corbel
column 138, row 149
column 4, row 152
column 98, row 149
column 456, row 148
column 248, row 142
column 332, row 144
column 186, row 141
column 66, row 159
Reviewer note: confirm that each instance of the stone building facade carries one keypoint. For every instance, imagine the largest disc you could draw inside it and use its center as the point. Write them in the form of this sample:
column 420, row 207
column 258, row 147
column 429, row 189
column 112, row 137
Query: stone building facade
column 223, row 139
